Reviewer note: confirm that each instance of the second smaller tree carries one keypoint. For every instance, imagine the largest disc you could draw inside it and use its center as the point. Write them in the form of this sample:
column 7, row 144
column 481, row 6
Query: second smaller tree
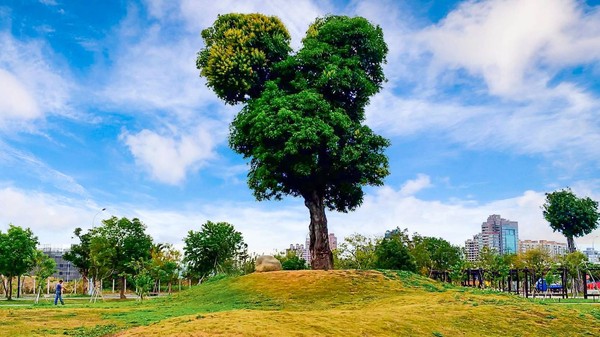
column 207, row 250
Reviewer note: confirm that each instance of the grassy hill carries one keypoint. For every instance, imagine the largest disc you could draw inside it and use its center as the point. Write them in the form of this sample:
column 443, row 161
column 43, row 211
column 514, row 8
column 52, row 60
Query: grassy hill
column 312, row 303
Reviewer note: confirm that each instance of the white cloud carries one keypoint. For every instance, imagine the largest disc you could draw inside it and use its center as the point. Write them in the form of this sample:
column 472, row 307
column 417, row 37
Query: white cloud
column 296, row 15
column 16, row 102
column 266, row 228
column 411, row 187
column 170, row 156
column 32, row 87
column 52, row 218
column 516, row 46
column 34, row 168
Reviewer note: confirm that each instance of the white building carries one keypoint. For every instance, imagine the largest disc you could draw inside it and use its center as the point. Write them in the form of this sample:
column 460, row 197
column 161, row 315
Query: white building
column 552, row 247
column 592, row 255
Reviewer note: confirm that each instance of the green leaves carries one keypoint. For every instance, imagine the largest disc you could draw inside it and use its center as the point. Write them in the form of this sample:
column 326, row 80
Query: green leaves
column 207, row 250
column 116, row 243
column 570, row 215
column 239, row 52
column 17, row 252
column 301, row 126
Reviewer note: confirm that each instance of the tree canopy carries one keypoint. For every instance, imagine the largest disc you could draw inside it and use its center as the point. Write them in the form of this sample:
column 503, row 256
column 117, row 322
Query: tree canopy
column 118, row 242
column 302, row 122
column 206, row 251
column 18, row 250
column 393, row 253
column 570, row 215
column 79, row 255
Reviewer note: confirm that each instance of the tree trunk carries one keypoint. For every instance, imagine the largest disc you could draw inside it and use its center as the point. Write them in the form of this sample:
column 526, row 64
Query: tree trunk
column 84, row 283
column 4, row 287
column 320, row 254
column 122, row 295
column 10, row 288
column 571, row 244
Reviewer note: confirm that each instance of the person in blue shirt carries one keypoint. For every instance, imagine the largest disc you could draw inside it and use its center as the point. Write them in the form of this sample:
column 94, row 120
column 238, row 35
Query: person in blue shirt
column 59, row 289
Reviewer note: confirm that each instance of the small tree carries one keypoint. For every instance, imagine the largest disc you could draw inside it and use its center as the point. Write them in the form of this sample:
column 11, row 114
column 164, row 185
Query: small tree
column 392, row 253
column 17, row 253
column 570, row 215
column 207, row 251
column 44, row 266
column 434, row 254
column 356, row 252
column 165, row 263
column 291, row 261
column 575, row 263
column 142, row 278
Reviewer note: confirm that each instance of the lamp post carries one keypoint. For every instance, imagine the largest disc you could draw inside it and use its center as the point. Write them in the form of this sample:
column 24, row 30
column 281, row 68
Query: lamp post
column 94, row 218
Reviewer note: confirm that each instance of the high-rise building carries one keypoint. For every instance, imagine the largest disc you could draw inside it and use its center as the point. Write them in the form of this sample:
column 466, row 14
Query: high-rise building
column 306, row 248
column 472, row 248
column 332, row 241
column 297, row 249
column 498, row 234
column 552, row 247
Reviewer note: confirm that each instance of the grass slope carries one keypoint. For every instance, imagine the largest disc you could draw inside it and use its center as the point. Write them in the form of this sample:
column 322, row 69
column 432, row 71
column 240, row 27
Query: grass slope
column 353, row 303
column 312, row 303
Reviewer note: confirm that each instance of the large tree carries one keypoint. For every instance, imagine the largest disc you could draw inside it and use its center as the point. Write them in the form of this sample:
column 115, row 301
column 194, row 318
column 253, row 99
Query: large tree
column 118, row 242
column 570, row 215
column 301, row 125
column 17, row 253
column 206, row 251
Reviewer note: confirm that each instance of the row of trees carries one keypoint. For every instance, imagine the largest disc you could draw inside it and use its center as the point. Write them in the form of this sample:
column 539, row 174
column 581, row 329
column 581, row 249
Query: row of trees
column 426, row 255
column 120, row 248
column 397, row 250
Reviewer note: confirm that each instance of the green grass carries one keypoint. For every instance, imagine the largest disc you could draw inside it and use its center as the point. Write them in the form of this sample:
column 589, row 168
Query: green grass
column 310, row 303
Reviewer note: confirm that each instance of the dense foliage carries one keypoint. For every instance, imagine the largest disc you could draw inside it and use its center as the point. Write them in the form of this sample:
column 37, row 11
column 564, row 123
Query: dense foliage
column 570, row 215
column 118, row 242
column 213, row 248
column 302, row 122
column 18, row 251
column 291, row 261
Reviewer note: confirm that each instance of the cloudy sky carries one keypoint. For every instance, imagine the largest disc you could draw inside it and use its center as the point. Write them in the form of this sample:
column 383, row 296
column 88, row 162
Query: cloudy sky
column 488, row 105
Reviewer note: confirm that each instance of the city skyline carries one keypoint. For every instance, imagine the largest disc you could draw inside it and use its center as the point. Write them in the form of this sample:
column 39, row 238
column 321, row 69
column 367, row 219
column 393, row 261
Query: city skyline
column 102, row 107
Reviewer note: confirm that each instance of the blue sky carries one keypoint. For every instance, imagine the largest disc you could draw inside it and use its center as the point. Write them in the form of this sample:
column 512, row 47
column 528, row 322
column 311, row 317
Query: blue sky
column 488, row 105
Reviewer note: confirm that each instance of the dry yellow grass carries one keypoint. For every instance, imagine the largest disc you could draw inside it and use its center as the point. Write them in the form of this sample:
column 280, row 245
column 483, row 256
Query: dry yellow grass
column 351, row 303
column 314, row 303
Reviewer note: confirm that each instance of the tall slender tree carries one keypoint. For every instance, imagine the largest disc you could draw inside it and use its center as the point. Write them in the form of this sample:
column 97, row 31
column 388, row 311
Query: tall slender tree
column 302, row 123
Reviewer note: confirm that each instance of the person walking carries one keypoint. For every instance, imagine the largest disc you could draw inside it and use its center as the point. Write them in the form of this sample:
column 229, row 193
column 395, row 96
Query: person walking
column 59, row 290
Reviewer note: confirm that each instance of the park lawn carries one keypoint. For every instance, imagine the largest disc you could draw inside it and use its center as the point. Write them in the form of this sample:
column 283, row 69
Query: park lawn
column 311, row 303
